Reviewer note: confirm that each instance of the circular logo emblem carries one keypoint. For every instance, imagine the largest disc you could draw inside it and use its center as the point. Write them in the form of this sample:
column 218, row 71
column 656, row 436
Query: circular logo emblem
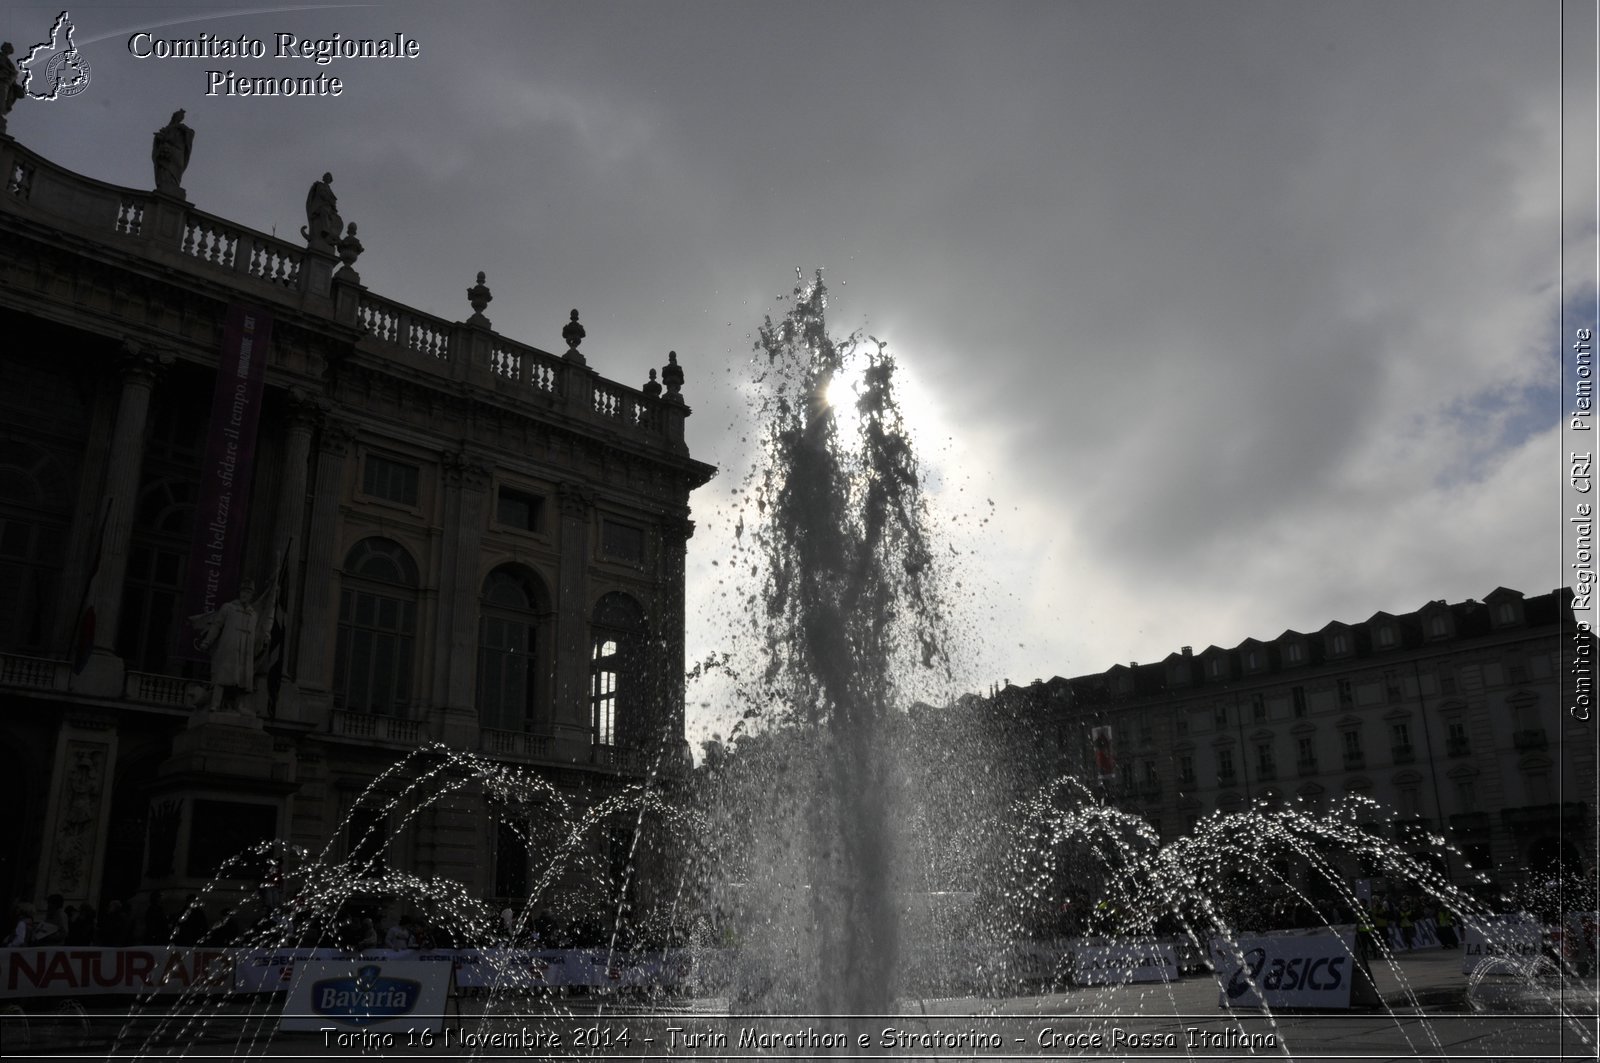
column 67, row 74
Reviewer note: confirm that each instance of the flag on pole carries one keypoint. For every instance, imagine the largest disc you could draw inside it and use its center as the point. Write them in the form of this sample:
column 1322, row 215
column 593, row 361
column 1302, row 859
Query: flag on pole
column 83, row 631
column 275, row 639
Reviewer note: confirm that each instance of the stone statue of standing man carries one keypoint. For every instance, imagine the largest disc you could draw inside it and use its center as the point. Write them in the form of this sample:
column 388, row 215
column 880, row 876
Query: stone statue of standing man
column 234, row 635
column 11, row 89
column 170, row 154
column 323, row 224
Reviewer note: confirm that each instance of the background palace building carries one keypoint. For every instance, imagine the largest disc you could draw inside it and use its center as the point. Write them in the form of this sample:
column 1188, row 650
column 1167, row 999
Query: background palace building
column 1451, row 716
column 457, row 538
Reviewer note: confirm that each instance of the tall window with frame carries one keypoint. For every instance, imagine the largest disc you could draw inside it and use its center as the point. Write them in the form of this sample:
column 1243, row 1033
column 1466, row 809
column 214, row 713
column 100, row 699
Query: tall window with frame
column 366, row 841
column 508, row 692
column 616, row 673
column 45, row 410
column 163, row 519
column 511, row 848
column 35, row 516
column 377, row 629
column 154, row 584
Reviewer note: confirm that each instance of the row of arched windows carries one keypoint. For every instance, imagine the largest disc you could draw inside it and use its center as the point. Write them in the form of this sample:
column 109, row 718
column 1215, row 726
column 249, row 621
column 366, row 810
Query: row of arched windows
column 375, row 656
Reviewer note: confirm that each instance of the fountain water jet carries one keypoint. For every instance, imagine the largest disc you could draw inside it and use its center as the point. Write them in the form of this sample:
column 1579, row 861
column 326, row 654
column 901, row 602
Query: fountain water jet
column 848, row 599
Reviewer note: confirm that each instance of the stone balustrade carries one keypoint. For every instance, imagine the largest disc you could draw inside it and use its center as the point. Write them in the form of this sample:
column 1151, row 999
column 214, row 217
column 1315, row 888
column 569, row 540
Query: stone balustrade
column 174, row 236
column 33, row 673
column 514, row 744
column 148, row 688
column 366, row 725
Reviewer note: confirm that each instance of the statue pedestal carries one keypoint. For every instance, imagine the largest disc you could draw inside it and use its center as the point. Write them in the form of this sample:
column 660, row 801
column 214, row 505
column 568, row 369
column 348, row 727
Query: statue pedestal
column 226, row 745
column 222, row 796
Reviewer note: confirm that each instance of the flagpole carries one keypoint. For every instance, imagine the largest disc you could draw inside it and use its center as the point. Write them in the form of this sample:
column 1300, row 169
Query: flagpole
column 83, row 620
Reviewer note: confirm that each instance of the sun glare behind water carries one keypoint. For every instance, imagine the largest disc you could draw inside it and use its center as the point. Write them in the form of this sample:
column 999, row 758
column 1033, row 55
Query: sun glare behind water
column 844, row 390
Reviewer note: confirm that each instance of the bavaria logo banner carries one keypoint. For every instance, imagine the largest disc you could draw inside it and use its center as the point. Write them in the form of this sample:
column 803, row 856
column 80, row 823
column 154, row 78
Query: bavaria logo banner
column 366, row 998
column 367, row 995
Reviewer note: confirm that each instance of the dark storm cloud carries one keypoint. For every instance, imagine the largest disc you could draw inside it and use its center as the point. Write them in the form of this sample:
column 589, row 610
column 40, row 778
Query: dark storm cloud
column 1205, row 295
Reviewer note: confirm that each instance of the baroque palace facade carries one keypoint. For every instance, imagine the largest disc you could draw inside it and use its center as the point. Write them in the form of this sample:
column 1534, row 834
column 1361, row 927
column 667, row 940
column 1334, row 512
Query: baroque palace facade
column 1452, row 717
column 458, row 539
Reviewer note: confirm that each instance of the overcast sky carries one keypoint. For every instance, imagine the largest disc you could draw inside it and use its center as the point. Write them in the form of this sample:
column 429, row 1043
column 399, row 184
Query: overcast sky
column 1244, row 316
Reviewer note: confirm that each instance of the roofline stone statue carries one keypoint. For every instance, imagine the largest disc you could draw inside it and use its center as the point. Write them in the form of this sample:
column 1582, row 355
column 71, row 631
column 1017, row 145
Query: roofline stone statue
column 170, row 154
column 323, row 224
column 11, row 89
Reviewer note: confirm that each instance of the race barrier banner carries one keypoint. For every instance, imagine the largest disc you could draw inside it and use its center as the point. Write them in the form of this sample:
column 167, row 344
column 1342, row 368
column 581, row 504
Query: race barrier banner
column 41, row 972
column 1292, row 970
column 367, row 996
column 54, row 972
column 1501, row 944
column 1034, row 962
column 272, row 970
column 1122, row 964
column 1424, row 935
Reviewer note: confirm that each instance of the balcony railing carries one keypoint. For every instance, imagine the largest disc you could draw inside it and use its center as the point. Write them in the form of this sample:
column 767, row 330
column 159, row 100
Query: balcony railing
column 517, row 744
column 378, row 728
column 1354, row 759
column 35, row 673
column 1458, row 747
column 150, row 689
column 175, row 236
column 628, row 760
column 1403, row 754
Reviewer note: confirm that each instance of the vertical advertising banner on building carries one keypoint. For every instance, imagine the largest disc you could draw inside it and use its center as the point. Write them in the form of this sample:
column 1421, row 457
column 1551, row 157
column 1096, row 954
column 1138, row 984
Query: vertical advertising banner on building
column 1105, row 763
column 217, row 549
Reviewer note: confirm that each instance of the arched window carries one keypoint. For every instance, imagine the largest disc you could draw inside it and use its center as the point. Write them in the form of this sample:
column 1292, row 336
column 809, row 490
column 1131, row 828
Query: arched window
column 377, row 629
column 616, row 672
column 508, row 674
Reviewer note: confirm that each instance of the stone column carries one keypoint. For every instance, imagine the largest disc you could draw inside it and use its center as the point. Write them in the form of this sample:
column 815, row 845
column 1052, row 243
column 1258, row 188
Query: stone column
column 675, row 535
column 88, row 509
column 303, row 410
column 80, row 792
column 313, row 663
column 569, row 716
column 287, row 543
column 468, row 481
column 139, row 369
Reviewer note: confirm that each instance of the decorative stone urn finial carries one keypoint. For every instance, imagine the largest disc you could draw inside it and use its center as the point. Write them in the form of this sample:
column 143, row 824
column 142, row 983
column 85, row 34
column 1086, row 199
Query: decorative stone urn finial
column 479, row 296
column 574, row 334
column 652, row 387
column 672, row 377
column 350, row 249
